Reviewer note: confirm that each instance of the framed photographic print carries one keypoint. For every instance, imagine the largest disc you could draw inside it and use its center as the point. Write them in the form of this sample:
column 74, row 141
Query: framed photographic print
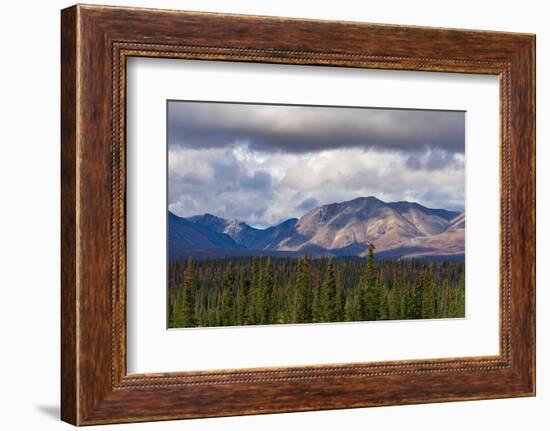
column 267, row 215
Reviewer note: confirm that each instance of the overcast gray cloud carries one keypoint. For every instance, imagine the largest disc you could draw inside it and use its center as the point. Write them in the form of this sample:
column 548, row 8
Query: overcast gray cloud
column 299, row 129
column 264, row 164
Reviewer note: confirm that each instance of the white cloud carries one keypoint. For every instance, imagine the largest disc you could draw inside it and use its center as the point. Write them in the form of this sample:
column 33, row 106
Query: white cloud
column 237, row 182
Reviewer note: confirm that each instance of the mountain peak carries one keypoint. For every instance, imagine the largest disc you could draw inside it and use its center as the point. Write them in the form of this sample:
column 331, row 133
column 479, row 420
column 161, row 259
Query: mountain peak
column 210, row 216
column 367, row 198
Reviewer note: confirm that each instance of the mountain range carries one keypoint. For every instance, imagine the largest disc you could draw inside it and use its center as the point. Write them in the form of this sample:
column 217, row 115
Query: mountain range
column 396, row 229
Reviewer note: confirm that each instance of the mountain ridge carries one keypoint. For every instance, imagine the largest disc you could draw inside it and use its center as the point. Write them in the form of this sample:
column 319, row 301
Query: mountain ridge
column 397, row 229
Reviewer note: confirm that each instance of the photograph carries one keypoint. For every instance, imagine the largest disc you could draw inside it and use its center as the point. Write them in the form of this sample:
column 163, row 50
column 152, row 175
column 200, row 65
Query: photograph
column 293, row 214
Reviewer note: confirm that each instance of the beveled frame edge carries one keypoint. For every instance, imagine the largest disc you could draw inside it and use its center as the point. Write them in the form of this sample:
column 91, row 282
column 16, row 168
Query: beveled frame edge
column 95, row 43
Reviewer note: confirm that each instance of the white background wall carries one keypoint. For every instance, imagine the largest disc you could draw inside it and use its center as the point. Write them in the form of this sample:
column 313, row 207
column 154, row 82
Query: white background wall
column 29, row 215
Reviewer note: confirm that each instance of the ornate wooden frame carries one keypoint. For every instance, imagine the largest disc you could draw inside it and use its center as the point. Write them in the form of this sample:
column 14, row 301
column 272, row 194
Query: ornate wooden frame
column 95, row 42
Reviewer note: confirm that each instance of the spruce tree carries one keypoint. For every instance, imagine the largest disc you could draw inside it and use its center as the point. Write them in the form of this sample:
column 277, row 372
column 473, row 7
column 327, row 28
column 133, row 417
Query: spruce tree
column 260, row 300
column 428, row 300
column 188, row 317
column 302, row 308
column 274, row 312
column 242, row 299
column 328, row 295
column 460, row 304
column 316, row 304
column 384, row 311
column 268, row 302
column 253, row 312
column 227, row 310
column 360, row 305
column 406, row 302
column 368, row 285
column 340, row 301
column 203, row 317
column 418, row 294
column 290, row 302
column 394, row 305
column 350, row 308
column 176, row 310
column 171, row 308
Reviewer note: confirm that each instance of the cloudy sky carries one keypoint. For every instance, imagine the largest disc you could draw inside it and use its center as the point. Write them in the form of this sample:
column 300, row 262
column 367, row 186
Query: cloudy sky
column 264, row 164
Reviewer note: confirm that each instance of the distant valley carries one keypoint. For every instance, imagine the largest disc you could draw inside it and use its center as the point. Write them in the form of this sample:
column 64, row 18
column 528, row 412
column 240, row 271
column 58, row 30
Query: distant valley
column 397, row 229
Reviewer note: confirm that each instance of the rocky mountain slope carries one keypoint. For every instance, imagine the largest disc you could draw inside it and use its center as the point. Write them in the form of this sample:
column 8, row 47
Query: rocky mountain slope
column 397, row 229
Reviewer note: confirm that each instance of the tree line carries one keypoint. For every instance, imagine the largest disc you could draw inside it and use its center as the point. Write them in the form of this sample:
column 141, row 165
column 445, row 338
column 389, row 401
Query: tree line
column 263, row 290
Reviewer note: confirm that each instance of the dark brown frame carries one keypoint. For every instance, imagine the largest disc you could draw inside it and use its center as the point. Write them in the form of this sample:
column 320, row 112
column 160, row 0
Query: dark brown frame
column 95, row 43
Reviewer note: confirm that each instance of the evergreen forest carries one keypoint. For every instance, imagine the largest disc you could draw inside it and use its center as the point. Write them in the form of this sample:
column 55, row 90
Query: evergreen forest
column 267, row 290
